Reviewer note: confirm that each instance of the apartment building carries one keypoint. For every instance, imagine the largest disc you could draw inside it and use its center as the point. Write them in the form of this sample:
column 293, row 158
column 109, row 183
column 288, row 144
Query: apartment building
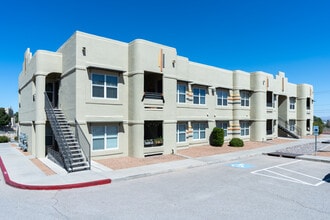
column 141, row 98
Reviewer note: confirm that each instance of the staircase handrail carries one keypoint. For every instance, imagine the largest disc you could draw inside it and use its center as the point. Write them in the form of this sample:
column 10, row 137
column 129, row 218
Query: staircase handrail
column 83, row 142
column 59, row 136
column 286, row 125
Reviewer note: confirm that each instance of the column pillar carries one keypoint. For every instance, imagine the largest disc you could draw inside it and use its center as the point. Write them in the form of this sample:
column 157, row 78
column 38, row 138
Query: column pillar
column 40, row 116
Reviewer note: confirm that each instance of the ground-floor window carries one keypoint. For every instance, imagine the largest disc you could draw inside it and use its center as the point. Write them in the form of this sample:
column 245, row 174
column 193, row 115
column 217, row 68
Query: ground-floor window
column 105, row 137
column 223, row 125
column 181, row 128
column 292, row 125
column 269, row 127
column 199, row 130
column 245, row 128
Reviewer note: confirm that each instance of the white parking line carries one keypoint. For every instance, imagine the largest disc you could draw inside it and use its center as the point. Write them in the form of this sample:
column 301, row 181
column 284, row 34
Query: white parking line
column 272, row 173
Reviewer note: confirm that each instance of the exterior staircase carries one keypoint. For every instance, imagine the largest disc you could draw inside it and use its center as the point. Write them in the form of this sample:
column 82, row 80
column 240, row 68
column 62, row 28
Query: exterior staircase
column 284, row 126
column 71, row 155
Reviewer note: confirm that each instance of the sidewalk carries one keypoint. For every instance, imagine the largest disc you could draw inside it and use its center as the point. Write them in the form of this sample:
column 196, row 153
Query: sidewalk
column 19, row 170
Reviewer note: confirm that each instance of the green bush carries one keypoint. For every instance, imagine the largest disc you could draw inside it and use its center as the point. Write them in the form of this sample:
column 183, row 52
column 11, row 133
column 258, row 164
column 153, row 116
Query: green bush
column 217, row 137
column 4, row 139
column 236, row 142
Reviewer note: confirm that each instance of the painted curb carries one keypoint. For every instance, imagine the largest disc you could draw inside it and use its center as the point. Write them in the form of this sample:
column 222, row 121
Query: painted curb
column 48, row 187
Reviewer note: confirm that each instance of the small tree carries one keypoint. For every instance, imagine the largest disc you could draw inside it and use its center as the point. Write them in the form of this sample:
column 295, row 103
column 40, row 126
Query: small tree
column 4, row 118
column 318, row 122
column 217, row 137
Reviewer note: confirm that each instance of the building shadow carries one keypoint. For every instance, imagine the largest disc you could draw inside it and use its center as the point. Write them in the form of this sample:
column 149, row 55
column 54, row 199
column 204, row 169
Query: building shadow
column 327, row 178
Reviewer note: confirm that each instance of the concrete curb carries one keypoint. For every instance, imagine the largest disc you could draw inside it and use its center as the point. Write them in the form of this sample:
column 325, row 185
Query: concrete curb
column 48, row 187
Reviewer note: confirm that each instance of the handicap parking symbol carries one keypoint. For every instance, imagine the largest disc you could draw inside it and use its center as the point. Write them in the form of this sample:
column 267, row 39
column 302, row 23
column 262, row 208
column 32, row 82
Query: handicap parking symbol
column 240, row 165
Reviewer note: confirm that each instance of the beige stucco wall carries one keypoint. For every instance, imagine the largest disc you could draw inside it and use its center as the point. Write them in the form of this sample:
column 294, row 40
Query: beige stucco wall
column 82, row 54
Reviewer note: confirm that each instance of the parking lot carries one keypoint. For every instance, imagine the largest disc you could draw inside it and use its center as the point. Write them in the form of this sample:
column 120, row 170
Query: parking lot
column 258, row 187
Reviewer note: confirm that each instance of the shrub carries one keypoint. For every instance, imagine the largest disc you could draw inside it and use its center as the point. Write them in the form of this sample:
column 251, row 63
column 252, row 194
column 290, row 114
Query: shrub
column 236, row 142
column 217, row 137
column 4, row 139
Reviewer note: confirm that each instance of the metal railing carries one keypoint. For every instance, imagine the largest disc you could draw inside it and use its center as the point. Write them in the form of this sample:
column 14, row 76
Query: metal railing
column 83, row 142
column 59, row 135
column 153, row 95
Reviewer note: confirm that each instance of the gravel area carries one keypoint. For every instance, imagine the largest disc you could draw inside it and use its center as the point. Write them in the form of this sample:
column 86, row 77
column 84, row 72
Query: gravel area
column 308, row 149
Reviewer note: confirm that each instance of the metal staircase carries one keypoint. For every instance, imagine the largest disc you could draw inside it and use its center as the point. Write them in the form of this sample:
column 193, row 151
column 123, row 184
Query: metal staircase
column 70, row 152
column 284, row 126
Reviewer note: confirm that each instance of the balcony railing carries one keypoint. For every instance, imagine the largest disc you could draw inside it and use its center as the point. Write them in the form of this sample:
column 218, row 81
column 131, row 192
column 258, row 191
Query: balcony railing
column 153, row 95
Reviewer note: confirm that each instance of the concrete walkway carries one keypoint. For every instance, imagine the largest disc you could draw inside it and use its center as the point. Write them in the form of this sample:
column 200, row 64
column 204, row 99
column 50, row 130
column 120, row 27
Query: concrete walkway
column 19, row 171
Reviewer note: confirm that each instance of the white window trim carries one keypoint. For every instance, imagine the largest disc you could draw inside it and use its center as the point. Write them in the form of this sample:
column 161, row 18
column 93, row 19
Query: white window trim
column 225, row 128
column 178, row 132
column 105, row 135
column 245, row 97
column 221, row 97
column 199, row 130
column 245, row 126
column 178, row 93
column 292, row 103
column 104, row 86
column 199, row 95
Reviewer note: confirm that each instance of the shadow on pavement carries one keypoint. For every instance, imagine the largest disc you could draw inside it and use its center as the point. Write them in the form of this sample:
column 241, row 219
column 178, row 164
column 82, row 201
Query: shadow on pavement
column 327, row 178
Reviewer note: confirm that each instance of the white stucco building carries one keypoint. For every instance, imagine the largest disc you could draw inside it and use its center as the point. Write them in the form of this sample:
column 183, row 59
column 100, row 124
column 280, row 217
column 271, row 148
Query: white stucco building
column 142, row 98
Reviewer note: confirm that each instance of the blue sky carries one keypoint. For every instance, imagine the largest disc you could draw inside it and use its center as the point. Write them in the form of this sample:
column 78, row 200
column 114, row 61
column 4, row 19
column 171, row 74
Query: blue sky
column 269, row 35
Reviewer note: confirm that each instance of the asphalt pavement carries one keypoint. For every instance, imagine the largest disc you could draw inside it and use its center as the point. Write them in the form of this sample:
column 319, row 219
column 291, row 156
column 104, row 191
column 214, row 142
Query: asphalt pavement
column 20, row 172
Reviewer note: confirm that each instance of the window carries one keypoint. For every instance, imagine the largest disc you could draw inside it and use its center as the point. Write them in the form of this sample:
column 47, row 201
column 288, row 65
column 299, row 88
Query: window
column 105, row 137
column 104, row 86
column 292, row 103
column 308, row 104
column 223, row 125
column 270, row 101
column 199, row 130
column 181, row 93
column 181, row 132
column 292, row 125
column 199, row 96
column 245, row 98
column 222, row 97
column 245, row 128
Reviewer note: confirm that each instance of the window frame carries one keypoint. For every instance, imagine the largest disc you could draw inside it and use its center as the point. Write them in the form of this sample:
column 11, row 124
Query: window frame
column 178, row 93
column 105, row 85
column 223, row 98
column 224, row 125
column 245, row 98
column 199, row 96
column 245, row 128
column 199, row 131
column 105, row 136
column 181, row 132
column 292, row 103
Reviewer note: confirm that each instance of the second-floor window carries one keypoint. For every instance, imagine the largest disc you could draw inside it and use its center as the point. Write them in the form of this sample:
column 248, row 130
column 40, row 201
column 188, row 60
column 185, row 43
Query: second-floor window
column 181, row 93
column 104, row 86
column 292, row 103
column 199, row 96
column 245, row 98
column 222, row 97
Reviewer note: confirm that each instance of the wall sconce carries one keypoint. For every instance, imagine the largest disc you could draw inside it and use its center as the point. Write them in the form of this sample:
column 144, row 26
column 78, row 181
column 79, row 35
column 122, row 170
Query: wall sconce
column 84, row 51
column 173, row 63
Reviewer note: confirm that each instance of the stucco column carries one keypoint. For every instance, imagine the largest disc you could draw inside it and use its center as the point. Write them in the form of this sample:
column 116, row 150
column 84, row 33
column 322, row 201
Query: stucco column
column 40, row 116
column 136, row 115
column 258, row 107
column 236, row 100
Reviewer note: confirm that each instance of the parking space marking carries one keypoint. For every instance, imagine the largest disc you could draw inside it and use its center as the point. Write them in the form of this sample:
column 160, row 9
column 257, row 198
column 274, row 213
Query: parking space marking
column 296, row 177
